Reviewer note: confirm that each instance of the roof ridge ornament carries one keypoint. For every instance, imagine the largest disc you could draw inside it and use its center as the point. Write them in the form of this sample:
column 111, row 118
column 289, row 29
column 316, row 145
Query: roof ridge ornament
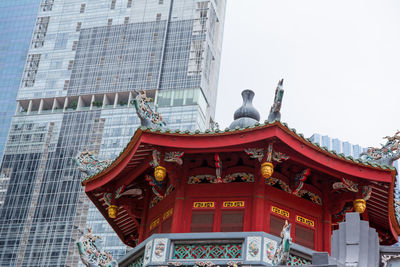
column 274, row 113
column 88, row 163
column 247, row 114
column 387, row 154
column 147, row 116
column 91, row 255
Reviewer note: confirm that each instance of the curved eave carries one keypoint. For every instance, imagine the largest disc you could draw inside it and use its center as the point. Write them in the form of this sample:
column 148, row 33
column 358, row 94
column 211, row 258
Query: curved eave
column 120, row 162
column 220, row 140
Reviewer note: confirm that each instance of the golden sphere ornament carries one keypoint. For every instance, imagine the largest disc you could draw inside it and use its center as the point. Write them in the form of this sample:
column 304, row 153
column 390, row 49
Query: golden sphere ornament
column 267, row 169
column 160, row 173
column 112, row 211
column 359, row 205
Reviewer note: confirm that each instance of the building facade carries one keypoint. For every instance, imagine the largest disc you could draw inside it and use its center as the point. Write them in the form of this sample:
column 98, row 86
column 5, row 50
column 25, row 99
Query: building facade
column 17, row 19
column 87, row 61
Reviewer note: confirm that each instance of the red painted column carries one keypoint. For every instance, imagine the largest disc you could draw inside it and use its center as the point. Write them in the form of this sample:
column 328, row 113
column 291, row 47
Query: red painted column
column 326, row 222
column 179, row 205
column 258, row 200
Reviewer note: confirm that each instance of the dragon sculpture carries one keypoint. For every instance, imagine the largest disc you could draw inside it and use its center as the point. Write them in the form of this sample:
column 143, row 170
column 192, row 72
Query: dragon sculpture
column 385, row 155
column 274, row 113
column 89, row 164
column 91, row 255
column 147, row 116
column 282, row 252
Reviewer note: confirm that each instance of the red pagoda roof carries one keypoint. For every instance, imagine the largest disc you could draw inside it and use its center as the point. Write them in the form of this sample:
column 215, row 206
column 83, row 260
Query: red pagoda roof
column 134, row 161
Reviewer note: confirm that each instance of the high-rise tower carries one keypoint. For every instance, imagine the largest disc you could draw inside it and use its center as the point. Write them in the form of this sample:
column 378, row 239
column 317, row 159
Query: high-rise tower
column 86, row 62
column 17, row 19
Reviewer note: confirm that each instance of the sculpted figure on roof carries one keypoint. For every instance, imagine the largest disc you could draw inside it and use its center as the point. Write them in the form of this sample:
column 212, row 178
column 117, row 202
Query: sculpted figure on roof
column 91, row 255
column 274, row 113
column 385, row 155
column 147, row 116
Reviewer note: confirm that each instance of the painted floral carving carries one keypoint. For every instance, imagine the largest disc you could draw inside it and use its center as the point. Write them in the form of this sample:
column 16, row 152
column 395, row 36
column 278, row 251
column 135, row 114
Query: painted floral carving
column 346, row 184
column 270, row 248
column 269, row 153
column 174, row 157
column 159, row 249
column 255, row 153
column 253, row 248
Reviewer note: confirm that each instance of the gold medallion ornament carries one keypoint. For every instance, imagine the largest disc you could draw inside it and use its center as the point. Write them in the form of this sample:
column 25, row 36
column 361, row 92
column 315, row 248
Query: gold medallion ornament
column 112, row 211
column 160, row 173
column 267, row 169
column 359, row 205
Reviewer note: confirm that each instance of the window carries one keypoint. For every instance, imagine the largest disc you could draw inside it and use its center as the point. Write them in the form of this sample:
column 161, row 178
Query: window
column 78, row 26
column 158, row 17
column 109, row 23
column 74, row 45
column 232, row 220
column 202, row 221
column 66, row 84
column 113, row 4
column 126, row 20
column 83, row 6
column 275, row 226
column 98, row 80
column 70, row 64
column 304, row 236
column 160, row 2
column 129, row 4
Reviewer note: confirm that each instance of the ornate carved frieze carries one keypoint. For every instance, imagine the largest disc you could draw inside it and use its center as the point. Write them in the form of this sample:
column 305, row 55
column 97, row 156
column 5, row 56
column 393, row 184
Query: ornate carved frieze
column 346, row 184
column 313, row 197
column 230, row 178
column 270, row 154
column 174, row 157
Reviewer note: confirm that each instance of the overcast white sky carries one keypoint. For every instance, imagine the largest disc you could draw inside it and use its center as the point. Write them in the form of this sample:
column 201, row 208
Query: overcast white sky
column 340, row 60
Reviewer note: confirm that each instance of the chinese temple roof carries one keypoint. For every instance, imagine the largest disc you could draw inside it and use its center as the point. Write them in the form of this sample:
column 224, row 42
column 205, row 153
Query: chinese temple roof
column 134, row 161
column 238, row 130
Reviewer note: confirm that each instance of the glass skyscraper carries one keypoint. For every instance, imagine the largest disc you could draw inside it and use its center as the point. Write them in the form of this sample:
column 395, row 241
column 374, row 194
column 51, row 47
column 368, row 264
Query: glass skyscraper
column 337, row 145
column 343, row 147
column 86, row 62
column 17, row 19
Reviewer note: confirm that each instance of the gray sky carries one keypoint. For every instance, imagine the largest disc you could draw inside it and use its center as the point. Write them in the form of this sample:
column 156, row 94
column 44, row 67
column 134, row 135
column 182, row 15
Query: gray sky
column 340, row 60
